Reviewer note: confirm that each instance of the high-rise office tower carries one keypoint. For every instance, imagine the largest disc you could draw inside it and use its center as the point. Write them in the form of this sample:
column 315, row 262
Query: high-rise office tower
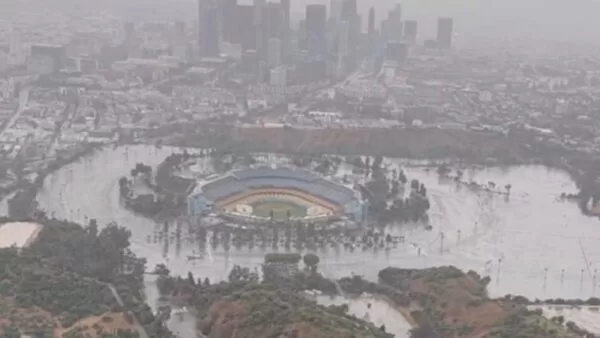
column 244, row 29
column 343, row 46
column 349, row 9
column 258, row 5
column 372, row 38
column 260, row 39
column 394, row 24
column 180, row 41
column 201, row 15
column 444, row 32
column 350, row 15
column 411, row 28
column 316, row 17
column 371, row 23
column 273, row 52
column 227, row 16
column 208, row 23
column 285, row 39
column 271, row 25
column 335, row 10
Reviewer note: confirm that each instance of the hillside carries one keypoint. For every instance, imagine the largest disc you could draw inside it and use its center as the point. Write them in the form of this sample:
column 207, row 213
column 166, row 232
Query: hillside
column 64, row 285
column 263, row 310
column 456, row 304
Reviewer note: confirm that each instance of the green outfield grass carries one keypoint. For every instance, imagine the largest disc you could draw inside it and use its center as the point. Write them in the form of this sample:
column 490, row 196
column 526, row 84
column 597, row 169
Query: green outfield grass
column 280, row 209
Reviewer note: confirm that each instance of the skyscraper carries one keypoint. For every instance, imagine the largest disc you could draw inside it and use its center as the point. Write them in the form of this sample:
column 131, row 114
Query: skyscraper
column 285, row 39
column 394, row 25
column 244, row 29
column 271, row 25
column 343, row 42
column 335, row 10
column 350, row 15
column 444, row 32
column 180, row 41
column 260, row 43
column 227, row 14
column 208, row 26
column 316, row 17
column 371, row 24
column 273, row 52
column 411, row 28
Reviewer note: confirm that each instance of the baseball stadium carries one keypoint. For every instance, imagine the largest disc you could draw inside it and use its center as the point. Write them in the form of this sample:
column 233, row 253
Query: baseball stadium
column 276, row 194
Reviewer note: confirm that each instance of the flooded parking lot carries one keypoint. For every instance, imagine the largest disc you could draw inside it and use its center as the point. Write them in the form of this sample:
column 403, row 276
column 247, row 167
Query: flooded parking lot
column 530, row 244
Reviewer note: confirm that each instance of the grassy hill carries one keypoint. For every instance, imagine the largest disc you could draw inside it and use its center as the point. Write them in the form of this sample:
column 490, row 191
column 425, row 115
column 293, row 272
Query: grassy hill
column 263, row 310
column 456, row 304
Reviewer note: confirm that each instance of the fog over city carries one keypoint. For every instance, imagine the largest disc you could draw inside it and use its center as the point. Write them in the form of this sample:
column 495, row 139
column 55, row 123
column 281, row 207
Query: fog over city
column 299, row 168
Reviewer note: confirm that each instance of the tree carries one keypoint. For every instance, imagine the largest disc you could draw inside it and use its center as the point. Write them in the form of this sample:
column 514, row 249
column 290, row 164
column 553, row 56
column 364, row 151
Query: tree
column 242, row 275
column 191, row 279
column 161, row 270
column 311, row 261
column 92, row 228
column 414, row 185
column 424, row 330
column 560, row 320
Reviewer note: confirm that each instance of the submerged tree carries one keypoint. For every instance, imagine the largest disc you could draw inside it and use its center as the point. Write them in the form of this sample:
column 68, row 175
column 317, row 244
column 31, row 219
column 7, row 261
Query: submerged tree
column 311, row 261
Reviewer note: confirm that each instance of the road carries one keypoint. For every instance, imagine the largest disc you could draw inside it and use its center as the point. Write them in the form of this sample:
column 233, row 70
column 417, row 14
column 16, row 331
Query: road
column 23, row 99
column 113, row 290
column 141, row 329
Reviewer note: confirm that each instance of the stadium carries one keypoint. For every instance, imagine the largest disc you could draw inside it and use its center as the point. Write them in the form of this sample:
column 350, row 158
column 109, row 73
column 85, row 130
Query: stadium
column 276, row 194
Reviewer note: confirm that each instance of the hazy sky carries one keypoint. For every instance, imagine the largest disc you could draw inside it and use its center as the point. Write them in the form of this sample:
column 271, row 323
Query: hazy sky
column 547, row 19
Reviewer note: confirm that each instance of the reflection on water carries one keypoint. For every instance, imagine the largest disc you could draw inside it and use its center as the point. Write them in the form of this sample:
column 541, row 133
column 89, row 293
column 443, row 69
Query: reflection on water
column 513, row 240
column 370, row 308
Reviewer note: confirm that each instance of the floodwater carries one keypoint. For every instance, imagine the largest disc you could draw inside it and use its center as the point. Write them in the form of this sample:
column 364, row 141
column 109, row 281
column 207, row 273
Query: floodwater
column 182, row 321
column 530, row 244
column 586, row 317
column 380, row 312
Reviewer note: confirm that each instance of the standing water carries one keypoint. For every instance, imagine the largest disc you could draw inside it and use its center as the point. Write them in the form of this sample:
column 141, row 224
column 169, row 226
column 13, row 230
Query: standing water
column 513, row 240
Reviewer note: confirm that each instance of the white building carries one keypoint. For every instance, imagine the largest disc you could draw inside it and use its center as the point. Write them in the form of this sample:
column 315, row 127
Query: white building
column 278, row 77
